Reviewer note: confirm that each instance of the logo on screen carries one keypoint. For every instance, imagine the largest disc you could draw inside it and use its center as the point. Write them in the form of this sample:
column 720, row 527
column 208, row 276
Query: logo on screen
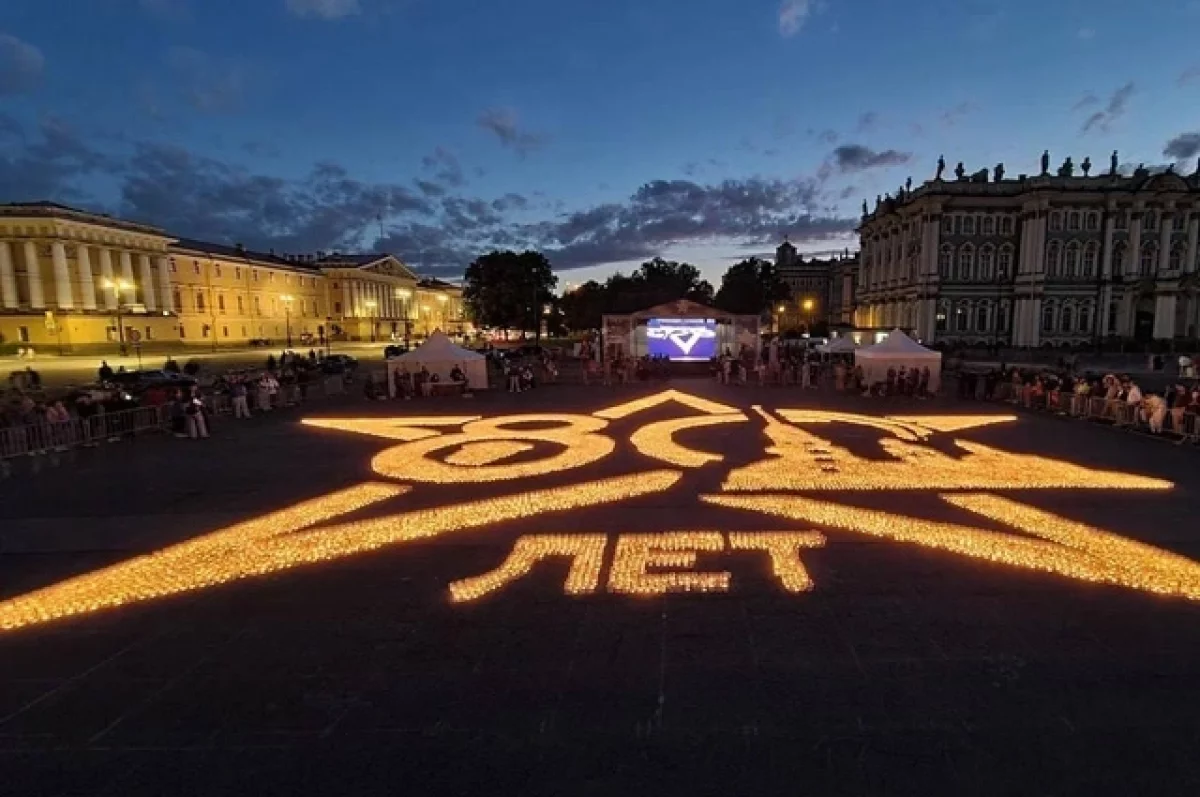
column 688, row 338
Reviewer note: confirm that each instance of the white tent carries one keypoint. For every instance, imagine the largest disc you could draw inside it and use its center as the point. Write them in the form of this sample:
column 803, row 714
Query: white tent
column 838, row 346
column 439, row 354
column 898, row 350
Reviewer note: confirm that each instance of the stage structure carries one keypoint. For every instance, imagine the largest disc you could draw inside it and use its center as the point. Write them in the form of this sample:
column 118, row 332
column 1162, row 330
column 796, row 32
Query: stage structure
column 682, row 331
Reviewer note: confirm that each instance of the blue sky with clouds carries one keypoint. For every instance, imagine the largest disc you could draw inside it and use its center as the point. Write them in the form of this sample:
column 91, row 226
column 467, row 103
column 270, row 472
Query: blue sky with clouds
column 603, row 132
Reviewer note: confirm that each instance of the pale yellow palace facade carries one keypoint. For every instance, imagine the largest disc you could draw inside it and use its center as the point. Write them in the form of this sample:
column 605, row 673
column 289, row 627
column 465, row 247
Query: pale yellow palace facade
column 67, row 276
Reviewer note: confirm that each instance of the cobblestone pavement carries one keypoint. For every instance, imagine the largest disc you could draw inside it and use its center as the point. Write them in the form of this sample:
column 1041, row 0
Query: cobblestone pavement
column 910, row 667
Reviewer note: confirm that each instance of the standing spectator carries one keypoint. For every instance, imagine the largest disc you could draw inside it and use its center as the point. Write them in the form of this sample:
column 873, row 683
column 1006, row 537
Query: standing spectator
column 241, row 405
column 1180, row 406
column 105, row 372
column 1154, row 411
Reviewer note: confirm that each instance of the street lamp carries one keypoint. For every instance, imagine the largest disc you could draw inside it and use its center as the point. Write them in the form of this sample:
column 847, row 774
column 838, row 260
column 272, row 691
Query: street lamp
column 287, row 314
column 403, row 294
column 371, row 304
column 808, row 305
column 118, row 286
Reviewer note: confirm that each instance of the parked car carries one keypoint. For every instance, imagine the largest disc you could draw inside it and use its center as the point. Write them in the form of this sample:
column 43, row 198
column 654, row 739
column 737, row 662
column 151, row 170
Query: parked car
column 394, row 351
column 338, row 363
column 134, row 381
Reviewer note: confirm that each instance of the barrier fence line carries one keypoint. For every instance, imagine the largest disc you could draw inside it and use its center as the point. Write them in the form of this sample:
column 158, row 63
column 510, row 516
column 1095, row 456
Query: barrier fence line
column 19, row 441
column 1115, row 412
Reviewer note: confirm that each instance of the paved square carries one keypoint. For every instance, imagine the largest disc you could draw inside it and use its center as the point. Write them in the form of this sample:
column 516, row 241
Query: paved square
column 769, row 591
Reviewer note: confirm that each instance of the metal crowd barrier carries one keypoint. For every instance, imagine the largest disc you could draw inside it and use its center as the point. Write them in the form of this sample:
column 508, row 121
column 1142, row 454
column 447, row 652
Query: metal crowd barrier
column 32, row 439
column 1097, row 409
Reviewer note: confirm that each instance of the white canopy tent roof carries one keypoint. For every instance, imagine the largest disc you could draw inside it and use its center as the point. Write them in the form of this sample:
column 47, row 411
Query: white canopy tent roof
column 895, row 351
column 839, row 346
column 439, row 354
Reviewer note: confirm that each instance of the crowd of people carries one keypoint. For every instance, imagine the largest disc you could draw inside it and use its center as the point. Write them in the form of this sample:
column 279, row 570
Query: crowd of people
column 1174, row 408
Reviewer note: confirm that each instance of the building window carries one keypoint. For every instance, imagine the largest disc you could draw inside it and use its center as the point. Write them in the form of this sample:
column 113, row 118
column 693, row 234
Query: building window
column 968, row 225
column 174, row 266
column 1071, row 263
column 149, row 333
column 1067, row 319
column 1006, row 225
column 981, row 318
column 1149, row 259
column 1048, row 318
column 221, row 302
column 1089, row 260
column 258, row 305
column 243, row 331
column 195, row 266
column 1073, row 221
column 987, row 260
column 966, row 262
column 1179, row 222
column 1093, row 221
column 940, row 319
column 1118, row 258
column 1056, row 222
column 1002, row 318
column 254, row 274
column 224, row 332
column 1112, row 318
column 1005, row 261
column 1053, row 258
column 241, row 306
column 177, row 297
column 337, row 308
column 22, row 334
column 1085, row 318
column 1120, row 220
column 237, row 272
column 216, row 269
column 961, row 318
column 182, row 332
column 199, row 301
column 1150, row 221
column 271, row 276
column 1176, row 261
column 204, row 331
column 988, row 225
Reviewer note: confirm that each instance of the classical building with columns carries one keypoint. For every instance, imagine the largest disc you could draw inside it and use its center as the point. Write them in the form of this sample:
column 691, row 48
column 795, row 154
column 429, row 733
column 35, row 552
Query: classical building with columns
column 818, row 288
column 67, row 276
column 1047, row 260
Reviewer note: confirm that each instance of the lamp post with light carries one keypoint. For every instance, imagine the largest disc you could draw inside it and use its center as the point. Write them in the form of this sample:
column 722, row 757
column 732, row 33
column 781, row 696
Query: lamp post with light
column 403, row 294
column 371, row 304
column 808, row 304
column 442, row 299
column 118, row 286
column 287, row 315
column 779, row 319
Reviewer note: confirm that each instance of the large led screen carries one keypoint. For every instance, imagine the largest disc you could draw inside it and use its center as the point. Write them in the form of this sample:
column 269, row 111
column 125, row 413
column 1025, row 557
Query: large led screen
column 682, row 339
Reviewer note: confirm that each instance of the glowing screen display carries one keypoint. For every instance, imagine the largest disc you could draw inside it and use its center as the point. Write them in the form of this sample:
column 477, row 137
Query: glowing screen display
column 682, row 339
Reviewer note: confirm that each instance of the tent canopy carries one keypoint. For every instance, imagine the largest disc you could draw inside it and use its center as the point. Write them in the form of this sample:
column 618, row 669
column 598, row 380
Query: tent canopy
column 439, row 354
column 898, row 346
column 895, row 351
column 839, row 346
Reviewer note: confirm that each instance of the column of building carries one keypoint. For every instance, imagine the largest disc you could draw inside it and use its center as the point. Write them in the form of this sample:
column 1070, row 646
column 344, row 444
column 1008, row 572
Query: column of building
column 148, row 298
column 1190, row 266
column 1132, row 265
column 166, row 290
column 8, row 279
column 87, row 283
column 106, row 279
column 62, row 276
column 1106, row 262
column 127, row 276
column 33, row 277
column 1164, row 299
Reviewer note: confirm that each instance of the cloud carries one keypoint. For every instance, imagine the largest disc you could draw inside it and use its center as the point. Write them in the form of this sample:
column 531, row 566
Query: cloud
column 951, row 116
column 826, row 136
column 502, row 122
column 323, row 9
column 438, row 229
column 1183, row 146
column 21, row 65
column 210, row 84
column 445, row 167
column 855, row 158
column 867, row 122
column 1086, row 33
column 1086, row 101
column 1189, row 75
column 792, row 16
column 1114, row 110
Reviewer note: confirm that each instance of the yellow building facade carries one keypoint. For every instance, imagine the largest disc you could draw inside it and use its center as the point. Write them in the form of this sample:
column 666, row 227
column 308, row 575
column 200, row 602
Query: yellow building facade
column 79, row 282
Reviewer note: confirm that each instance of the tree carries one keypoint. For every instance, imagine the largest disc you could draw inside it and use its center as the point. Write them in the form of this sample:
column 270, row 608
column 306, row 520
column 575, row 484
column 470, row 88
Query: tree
column 584, row 307
column 750, row 287
column 508, row 290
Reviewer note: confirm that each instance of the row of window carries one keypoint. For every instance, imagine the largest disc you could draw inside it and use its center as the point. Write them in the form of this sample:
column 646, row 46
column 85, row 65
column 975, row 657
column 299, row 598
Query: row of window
column 206, row 331
column 972, row 316
column 1073, row 261
column 1067, row 318
column 288, row 279
column 301, row 306
column 971, row 265
column 967, row 224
